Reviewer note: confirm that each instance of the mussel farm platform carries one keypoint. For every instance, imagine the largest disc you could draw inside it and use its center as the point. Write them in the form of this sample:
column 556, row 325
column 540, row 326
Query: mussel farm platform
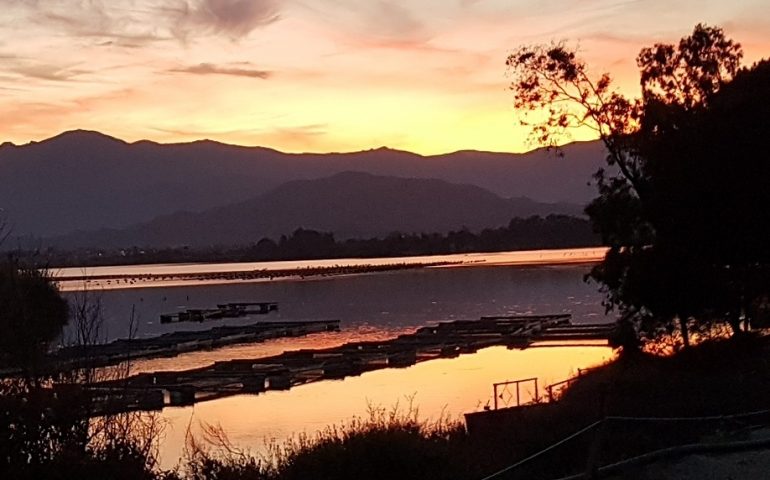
column 175, row 343
column 223, row 310
column 156, row 390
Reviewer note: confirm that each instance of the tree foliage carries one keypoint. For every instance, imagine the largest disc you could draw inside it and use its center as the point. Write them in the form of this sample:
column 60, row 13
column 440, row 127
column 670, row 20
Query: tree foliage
column 46, row 425
column 686, row 167
column 32, row 314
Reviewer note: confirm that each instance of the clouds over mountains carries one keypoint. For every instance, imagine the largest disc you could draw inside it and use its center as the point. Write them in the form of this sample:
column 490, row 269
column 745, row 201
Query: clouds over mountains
column 422, row 75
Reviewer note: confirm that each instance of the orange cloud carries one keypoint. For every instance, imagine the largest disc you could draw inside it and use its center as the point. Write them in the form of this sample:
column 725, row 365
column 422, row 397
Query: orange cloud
column 422, row 75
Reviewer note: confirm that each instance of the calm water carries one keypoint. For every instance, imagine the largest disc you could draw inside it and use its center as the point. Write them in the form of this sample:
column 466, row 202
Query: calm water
column 448, row 387
column 371, row 306
column 389, row 302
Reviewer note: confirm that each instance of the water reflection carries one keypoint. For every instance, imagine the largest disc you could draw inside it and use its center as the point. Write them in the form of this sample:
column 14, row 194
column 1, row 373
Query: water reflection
column 370, row 307
column 451, row 386
column 385, row 303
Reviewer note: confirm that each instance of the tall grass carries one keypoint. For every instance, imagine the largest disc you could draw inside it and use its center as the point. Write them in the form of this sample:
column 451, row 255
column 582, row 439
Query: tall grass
column 384, row 444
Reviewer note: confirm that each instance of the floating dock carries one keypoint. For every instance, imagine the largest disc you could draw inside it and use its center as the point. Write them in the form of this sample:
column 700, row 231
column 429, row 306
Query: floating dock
column 223, row 310
column 156, row 390
column 175, row 343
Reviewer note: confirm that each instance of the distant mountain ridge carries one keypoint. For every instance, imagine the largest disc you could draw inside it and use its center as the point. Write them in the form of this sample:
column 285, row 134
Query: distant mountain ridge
column 349, row 204
column 83, row 180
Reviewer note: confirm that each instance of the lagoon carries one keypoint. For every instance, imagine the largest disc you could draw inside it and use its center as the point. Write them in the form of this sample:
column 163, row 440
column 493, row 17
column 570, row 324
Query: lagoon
column 370, row 307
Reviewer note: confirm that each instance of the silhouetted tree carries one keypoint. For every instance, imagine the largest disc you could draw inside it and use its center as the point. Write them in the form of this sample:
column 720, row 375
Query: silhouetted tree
column 46, row 429
column 309, row 244
column 32, row 314
column 683, row 160
column 710, row 177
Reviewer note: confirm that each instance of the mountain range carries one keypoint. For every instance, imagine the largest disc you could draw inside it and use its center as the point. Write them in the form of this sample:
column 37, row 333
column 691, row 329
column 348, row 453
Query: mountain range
column 87, row 181
column 349, row 204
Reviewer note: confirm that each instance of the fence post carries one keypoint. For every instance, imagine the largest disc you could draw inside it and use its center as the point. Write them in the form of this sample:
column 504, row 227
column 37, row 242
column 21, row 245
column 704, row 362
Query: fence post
column 518, row 398
column 595, row 450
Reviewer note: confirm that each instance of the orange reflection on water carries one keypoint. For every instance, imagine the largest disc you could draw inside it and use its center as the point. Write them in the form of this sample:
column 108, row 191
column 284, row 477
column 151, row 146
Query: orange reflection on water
column 268, row 348
column 452, row 386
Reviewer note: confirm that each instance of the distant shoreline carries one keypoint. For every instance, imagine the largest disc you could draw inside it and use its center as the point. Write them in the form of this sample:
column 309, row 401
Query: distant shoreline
column 172, row 275
column 236, row 276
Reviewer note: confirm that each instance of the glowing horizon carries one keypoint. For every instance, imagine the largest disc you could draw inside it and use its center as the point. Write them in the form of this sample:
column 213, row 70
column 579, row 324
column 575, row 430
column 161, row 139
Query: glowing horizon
column 310, row 76
column 529, row 148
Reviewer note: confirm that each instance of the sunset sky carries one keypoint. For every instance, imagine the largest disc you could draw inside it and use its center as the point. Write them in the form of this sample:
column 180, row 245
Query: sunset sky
column 316, row 75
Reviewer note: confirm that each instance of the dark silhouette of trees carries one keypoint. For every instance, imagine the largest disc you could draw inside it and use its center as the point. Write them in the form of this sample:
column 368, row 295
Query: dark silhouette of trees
column 678, row 202
column 46, row 424
column 32, row 314
column 305, row 243
column 724, row 143
column 553, row 231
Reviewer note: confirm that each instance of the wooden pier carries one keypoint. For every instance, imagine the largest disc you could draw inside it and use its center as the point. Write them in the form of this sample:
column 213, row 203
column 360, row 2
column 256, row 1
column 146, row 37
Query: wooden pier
column 156, row 390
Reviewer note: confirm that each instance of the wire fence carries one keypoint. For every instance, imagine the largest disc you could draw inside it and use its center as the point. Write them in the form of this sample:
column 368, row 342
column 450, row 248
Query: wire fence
column 616, row 443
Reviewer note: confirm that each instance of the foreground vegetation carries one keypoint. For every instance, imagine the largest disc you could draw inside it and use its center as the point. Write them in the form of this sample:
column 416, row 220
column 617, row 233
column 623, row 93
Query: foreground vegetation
column 387, row 444
column 716, row 377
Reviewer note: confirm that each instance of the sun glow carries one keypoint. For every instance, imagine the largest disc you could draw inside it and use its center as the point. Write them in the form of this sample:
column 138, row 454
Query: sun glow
column 314, row 76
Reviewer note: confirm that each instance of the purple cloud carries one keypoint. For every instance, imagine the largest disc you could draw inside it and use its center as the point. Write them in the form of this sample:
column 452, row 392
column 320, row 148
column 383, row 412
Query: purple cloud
column 232, row 18
column 212, row 69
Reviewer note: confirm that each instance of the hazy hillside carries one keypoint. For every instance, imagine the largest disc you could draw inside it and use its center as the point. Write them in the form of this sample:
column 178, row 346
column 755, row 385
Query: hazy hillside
column 86, row 180
column 348, row 204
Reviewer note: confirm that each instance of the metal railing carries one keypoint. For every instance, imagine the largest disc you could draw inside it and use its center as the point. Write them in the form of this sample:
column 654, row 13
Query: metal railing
column 501, row 388
column 554, row 389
